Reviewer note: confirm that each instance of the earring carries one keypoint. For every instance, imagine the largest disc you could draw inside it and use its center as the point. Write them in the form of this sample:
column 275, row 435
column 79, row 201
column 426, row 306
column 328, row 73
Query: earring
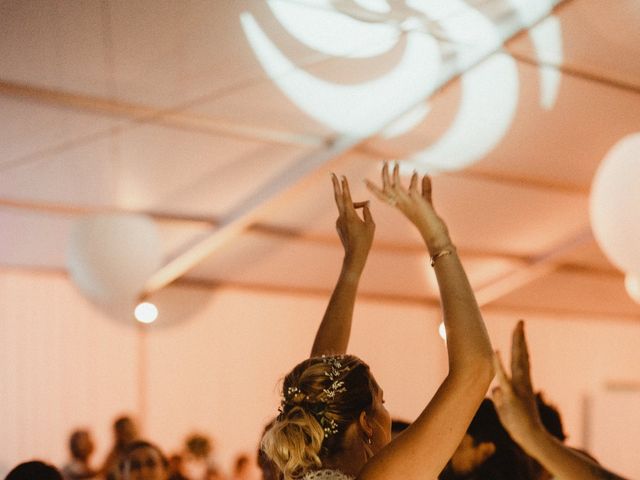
column 367, row 449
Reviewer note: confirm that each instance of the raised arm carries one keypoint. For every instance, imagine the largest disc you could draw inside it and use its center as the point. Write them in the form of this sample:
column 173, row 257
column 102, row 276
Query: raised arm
column 356, row 235
column 423, row 450
column 516, row 406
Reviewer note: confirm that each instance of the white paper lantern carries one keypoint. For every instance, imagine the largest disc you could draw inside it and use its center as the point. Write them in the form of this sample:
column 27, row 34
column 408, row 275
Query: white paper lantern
column 111, row 256
column 615, row 204
column 632, row 284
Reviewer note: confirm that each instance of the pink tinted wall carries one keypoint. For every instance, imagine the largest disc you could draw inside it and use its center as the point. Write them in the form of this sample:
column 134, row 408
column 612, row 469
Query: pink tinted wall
column 63, row 365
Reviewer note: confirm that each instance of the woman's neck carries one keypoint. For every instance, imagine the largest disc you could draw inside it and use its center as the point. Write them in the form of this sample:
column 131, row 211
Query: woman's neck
column 349, row 460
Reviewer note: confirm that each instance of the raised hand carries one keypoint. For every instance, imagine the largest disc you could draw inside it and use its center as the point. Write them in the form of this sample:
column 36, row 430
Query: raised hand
column 415, row 203
column 514, row 397
column 356, row 234
column 515, row 402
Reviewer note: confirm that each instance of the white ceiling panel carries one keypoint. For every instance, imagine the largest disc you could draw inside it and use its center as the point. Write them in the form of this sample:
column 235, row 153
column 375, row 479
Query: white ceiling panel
column 574, row 292
column 33, row 131
column 57, row 45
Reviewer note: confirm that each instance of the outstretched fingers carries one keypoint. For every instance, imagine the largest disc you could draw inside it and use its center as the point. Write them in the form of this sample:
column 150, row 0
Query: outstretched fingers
column 397, row 184
column 426, row 189
column 520, row 367
column 413, row 185
column 387, row 183
column 346, row 197
column 337, row 194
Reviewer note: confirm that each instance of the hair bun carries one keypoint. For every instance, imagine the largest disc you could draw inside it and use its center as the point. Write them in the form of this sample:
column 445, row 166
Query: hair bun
column 294, row 441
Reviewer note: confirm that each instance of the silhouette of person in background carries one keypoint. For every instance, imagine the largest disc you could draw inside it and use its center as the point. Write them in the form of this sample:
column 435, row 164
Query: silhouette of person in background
column 125, row 432
column 81, row 447
column 34, row 470
column 142, row 460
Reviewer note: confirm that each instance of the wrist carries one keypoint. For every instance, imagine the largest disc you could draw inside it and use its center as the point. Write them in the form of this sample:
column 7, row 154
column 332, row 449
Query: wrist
column 435, row 242
column 352, row 268
column 533, row 439
column 437, row 245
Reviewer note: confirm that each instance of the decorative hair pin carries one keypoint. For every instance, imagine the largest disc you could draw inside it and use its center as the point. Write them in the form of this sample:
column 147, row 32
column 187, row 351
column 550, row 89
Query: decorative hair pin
column 319, row 408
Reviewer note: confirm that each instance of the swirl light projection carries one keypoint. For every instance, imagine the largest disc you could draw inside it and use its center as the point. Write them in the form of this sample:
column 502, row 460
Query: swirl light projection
column 439, row 39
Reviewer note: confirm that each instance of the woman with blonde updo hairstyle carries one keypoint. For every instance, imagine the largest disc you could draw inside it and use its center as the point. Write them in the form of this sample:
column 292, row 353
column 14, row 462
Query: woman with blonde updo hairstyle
column 333, row 424
column 313, row 425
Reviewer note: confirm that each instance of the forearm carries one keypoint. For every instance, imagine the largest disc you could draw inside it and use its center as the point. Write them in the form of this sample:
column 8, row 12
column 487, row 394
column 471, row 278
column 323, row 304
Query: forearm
column 433, row 437
column 334, row 331
column 468, row 344
column 562, row 461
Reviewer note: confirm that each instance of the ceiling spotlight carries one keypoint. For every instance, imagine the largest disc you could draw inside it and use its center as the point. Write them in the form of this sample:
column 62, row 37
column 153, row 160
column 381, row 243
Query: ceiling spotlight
column 146, row 312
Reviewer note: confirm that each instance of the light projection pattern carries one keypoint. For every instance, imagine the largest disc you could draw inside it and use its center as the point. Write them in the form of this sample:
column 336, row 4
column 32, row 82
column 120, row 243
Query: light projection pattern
column 395, row 102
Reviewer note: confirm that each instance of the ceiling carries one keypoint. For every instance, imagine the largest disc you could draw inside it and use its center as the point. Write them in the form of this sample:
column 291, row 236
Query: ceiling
column 222, row 120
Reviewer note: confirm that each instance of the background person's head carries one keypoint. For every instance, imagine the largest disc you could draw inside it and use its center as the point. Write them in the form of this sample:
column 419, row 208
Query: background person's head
column 198, row 445
column 487, row 452
column 34, row 470
column 143, row 460
column 81, row 445
column 124, row 430
column 550, row 417
column 331, row 405
column 241, row 466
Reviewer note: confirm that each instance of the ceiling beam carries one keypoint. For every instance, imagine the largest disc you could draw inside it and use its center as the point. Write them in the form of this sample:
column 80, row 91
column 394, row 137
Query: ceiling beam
column 138, row 113
column 626, row 87
column 364, row 296
column 171, row 117
column 414, row 300
column 270, row 196
column 286, row 233
column 532, row 270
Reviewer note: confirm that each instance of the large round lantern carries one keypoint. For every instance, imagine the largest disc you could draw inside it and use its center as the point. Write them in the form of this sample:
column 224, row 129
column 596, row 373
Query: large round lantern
column 615, row 204
column 111, row 256
column 632, row 284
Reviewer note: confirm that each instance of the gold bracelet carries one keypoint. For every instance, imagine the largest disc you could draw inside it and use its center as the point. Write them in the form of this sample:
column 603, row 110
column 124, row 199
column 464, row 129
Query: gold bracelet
column 442, row 253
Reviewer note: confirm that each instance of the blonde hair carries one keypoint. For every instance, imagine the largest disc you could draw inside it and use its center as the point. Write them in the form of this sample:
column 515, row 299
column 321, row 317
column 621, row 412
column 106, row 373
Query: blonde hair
column 300, row 439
